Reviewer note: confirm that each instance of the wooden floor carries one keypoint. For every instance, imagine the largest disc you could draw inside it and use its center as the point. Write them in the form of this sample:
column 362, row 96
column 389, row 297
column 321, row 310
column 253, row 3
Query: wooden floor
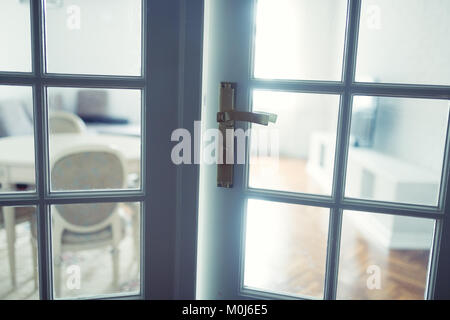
column 294, row 241
column 403, row 272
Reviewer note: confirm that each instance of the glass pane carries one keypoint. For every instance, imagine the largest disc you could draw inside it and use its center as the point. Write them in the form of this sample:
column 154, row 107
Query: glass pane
column 384, row 256
column 15, row 36
column 17, row 173
column 285, row 249
column 96, row 249
column 302, row 142
column 94, row 37
column 397, row 149
column 404, row 41
column 300, row 39
column 18, row 254
column 95, row 139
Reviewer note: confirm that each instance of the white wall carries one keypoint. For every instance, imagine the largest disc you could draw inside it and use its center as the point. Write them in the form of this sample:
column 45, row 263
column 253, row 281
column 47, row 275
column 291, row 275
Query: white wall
column 299, row 116
column 405, row 40
column 66, row 51
column 413, row 130
column 411, row 45
column 15, row 47
column 94, row 37
column 302, row 40
column 15, row 37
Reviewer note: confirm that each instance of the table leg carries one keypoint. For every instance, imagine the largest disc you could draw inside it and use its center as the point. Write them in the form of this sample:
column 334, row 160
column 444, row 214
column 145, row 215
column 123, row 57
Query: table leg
column 10, row 226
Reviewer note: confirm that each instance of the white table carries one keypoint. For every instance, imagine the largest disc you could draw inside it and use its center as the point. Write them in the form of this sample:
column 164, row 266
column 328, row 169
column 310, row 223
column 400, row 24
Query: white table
column 17, row 166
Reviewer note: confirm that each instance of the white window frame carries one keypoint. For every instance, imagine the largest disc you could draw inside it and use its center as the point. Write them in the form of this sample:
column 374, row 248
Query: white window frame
column 165, row 26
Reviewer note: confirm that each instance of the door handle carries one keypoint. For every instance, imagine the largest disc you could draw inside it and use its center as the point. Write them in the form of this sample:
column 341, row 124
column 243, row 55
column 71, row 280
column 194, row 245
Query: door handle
column 226, row 117
column 261, row 118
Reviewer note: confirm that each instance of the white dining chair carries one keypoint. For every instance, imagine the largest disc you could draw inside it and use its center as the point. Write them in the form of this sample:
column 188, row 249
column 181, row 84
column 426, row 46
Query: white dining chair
column 65, row 122
column 87, row 226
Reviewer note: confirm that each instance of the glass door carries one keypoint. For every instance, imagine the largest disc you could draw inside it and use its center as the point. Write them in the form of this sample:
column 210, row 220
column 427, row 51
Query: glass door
column 352, row 204
column 74, row 149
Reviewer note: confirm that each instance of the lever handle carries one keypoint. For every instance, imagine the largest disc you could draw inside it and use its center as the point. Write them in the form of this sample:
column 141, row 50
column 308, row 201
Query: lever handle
column 262, row 118
column 226, row 118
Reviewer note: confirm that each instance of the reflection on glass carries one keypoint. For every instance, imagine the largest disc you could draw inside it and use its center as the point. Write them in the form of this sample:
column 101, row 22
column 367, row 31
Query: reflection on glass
column 285, row 248
column 384, row 256
column 397, row 149
column 95, row 138
column 300, row 39
column 94, row 37
column 17, row 172
column 18, row 254
column 96, row 249
column 15, row 36
column 421, row 57
column 302, row 142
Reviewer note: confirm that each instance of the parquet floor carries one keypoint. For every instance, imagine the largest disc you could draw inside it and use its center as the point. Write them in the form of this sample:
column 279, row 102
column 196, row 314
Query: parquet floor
column 294, row 254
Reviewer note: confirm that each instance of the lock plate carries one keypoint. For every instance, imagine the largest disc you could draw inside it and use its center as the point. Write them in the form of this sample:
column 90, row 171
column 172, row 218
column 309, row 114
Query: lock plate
column 227, row 102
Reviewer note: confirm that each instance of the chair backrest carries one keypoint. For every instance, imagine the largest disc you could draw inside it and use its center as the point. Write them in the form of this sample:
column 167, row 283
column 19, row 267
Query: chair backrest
column 65, row 122
column 14, row 120
column 87, row 168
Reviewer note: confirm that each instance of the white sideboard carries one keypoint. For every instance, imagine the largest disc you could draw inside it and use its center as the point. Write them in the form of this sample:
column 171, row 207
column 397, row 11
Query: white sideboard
column 375, row 175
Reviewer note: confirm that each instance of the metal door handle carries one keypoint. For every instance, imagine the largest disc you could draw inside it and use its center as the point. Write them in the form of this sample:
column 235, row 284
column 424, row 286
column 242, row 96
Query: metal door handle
column 262, row 118
column 226, row 118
